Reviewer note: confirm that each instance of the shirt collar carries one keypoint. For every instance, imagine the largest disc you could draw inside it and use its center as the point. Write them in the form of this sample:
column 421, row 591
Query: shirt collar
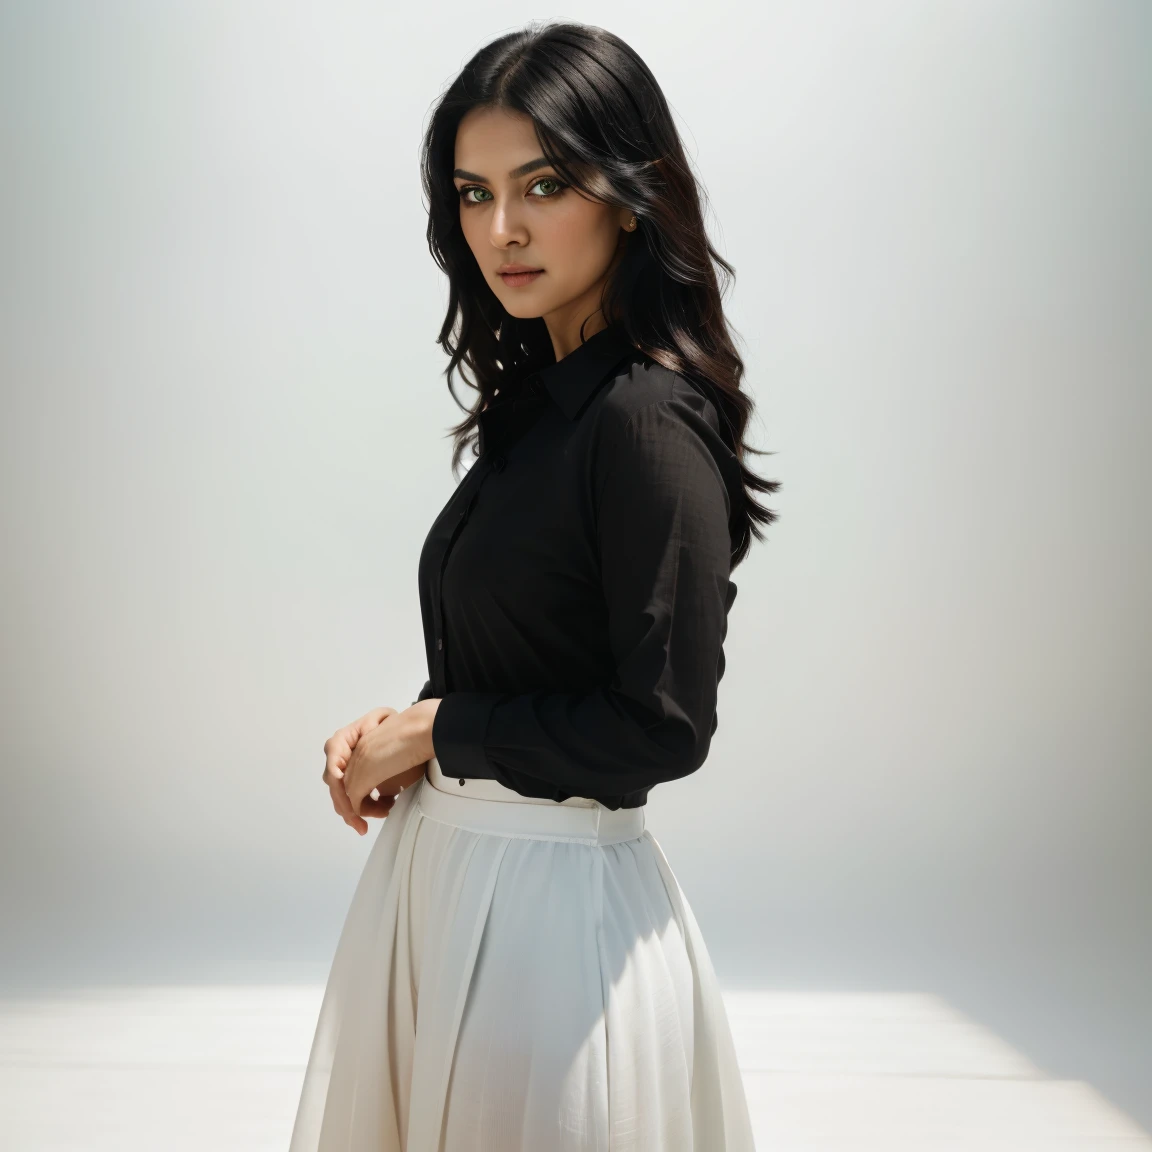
column 572, row 380
column 569, row 383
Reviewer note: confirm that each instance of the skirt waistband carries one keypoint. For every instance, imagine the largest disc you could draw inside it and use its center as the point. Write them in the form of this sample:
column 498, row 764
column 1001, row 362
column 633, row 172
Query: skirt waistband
column 492, row 789
column 587, row 823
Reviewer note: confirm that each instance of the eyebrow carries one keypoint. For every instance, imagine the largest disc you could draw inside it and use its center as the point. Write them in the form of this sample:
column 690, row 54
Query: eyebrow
column 523, row 170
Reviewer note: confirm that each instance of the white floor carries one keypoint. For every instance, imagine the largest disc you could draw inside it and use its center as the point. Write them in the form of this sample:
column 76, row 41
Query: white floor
column 219, row 1069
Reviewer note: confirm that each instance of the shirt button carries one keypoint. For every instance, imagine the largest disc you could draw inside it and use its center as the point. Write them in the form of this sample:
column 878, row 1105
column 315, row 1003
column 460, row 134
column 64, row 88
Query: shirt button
column 498, row 461
column 439, row 642
column 461, row 783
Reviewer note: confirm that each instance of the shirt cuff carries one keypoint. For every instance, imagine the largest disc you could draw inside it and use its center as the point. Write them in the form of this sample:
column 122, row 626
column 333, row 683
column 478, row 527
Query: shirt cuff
column 458, row 731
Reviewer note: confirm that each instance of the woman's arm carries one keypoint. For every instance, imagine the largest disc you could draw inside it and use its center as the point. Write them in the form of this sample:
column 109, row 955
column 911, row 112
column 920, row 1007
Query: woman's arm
column 665, row 560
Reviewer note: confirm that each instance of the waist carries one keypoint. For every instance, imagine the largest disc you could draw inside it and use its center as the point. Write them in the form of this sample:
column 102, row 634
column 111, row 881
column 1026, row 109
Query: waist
column 488, row 806
column 493, row 790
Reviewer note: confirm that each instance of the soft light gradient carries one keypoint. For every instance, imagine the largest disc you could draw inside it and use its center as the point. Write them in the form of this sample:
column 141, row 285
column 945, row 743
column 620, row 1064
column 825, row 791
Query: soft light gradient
column 223, row 437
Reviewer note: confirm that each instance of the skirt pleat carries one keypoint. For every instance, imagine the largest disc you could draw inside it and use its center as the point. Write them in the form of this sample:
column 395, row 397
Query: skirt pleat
column 719, row 1105
column 502, row 986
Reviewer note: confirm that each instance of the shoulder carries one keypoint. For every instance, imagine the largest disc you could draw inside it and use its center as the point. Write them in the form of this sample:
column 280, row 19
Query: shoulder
column 644, row 386
column 654, row 423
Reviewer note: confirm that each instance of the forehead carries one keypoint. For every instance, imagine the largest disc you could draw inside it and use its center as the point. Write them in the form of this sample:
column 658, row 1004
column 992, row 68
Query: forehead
column 494, row 140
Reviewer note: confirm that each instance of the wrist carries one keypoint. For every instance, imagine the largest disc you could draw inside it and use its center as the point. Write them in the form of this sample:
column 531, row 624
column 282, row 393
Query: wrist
column 420, row 717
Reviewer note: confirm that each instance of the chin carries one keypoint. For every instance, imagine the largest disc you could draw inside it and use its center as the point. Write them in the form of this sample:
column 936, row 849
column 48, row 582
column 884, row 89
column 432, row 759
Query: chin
column 523, row 310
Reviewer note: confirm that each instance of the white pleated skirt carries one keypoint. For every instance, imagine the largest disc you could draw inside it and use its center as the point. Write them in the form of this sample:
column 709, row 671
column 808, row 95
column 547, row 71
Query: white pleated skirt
column 519, row 975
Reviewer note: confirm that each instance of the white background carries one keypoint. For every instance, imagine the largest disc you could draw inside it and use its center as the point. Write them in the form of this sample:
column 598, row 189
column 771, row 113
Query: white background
column 223, row 437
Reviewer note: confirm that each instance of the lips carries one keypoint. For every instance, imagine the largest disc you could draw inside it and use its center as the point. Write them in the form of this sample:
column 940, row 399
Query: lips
column 516, row 275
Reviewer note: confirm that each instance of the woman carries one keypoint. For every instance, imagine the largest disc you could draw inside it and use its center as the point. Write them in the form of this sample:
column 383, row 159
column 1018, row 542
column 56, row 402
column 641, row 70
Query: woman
column 519, row 970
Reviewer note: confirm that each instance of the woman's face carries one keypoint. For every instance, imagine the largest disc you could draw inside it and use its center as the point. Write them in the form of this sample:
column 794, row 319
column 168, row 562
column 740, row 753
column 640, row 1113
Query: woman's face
column 515, row 210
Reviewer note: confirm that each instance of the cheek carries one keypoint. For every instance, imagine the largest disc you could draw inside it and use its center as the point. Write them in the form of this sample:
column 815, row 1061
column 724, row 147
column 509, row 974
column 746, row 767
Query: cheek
column 582, row 240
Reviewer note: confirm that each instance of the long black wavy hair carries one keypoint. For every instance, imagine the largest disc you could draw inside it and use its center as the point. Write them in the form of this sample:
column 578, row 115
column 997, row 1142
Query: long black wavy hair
column 605, row 126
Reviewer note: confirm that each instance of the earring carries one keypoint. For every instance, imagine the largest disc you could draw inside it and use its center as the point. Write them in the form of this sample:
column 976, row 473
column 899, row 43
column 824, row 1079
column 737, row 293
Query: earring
column 632, row 224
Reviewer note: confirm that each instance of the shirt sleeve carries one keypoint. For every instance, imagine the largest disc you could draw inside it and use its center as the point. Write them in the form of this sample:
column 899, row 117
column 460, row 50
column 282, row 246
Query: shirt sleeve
column 665, row 558
column 424, row 692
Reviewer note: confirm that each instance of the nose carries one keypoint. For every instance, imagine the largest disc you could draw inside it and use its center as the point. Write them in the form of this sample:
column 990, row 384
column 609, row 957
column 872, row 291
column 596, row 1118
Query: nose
column 507, row 227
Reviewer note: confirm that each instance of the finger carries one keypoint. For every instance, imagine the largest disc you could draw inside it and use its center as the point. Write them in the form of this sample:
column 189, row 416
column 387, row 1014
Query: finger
column 354, row 798
column 344, row 808
column 337, row 752
column 366, row 723
column 377, row 808
column 374, row 718
column 357, row 824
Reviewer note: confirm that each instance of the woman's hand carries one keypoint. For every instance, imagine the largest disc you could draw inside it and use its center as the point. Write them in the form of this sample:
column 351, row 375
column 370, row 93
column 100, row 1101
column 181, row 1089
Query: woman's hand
column 337, row 752
column 384, row 750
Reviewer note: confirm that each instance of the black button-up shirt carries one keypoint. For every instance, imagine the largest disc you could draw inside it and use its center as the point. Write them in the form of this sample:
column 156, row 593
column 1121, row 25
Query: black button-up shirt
column 575, row 588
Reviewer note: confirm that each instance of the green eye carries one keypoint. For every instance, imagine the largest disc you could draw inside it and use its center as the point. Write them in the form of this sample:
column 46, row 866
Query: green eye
column 549, row 180
column 484, row 196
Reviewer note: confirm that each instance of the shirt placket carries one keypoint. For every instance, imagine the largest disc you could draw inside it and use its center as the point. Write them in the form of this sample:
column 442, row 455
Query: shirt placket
column 497, row 427
column 439, row 674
